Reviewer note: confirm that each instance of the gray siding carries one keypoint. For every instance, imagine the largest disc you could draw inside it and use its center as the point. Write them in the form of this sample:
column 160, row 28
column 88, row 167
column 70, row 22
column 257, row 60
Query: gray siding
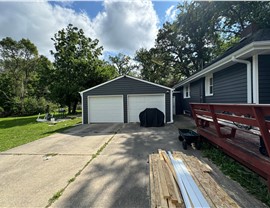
column 264, row 79
column 125, row 86
column 230, row 85
column 195, row 94
column 178, row 103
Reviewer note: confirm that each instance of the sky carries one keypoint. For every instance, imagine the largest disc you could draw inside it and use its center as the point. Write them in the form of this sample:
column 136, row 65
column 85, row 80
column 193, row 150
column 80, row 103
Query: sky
column 120, row 26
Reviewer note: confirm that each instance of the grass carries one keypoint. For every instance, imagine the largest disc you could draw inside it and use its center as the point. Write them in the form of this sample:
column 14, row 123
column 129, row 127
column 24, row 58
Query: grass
column 251, row 181
column 15, row 131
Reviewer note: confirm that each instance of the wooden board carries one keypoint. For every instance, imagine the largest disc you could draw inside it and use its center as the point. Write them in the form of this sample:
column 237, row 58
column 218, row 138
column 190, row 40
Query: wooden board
column 214, row 194
column 164, row 191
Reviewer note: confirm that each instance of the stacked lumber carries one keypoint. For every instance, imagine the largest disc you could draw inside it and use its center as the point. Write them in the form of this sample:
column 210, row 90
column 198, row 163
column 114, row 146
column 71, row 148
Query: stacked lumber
column 164, row 189
column 178, row 180
column 200, row 172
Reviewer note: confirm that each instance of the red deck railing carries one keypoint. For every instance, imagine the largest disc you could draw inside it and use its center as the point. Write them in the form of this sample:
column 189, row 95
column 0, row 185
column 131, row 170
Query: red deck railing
column 240, row 130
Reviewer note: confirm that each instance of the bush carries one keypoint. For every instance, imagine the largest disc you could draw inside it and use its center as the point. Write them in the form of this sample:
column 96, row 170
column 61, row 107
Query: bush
column 35, row 106
column 31, row 106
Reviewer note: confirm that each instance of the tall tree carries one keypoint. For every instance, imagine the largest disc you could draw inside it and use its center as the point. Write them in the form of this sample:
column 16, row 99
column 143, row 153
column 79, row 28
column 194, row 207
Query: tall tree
column 18, row 61
column 76, row 65
column 202, row 31
column 122, row 64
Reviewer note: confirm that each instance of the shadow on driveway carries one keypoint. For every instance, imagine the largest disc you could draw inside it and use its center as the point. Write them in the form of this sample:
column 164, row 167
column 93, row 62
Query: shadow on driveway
column 119, row 176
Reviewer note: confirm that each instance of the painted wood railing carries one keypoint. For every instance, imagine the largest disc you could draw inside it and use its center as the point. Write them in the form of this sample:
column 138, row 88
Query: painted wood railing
column 240, row 130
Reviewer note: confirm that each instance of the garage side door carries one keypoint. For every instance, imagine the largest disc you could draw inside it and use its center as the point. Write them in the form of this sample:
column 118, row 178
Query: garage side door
column 138, row 103
column 105, row 109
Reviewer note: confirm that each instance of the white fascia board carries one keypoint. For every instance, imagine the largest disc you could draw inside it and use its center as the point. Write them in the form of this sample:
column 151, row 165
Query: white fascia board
column 101, row 84
column 251, row 49
column 158, row 85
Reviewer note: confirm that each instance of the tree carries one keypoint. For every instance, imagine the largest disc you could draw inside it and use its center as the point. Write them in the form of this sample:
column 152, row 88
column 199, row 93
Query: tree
column 76, row 65
column 18, row 61
column 122, row 64
column 201, row 32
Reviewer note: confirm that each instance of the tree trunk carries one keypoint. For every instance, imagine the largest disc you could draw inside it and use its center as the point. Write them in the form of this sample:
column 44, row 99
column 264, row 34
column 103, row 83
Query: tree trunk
column 74, row 107
column 69, row 108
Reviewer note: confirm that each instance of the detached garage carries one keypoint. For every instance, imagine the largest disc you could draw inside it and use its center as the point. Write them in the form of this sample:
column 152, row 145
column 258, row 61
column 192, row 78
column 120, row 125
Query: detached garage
column 122, row 99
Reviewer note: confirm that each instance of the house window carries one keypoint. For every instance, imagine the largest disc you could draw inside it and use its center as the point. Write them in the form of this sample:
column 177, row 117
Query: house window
column 187, row 91
column 209, row 83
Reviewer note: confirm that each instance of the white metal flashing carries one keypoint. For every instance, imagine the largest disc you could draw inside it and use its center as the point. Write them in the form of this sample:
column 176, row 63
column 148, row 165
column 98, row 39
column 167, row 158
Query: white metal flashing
column 191, row 190
column 255, row 76
column 245, row 52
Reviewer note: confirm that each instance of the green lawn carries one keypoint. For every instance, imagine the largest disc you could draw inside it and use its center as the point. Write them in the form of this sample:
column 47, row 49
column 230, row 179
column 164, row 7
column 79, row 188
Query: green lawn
column 15, row 131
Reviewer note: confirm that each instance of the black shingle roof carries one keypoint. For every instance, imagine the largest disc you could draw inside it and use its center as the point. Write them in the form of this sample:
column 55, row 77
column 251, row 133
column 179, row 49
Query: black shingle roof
column 260, row 35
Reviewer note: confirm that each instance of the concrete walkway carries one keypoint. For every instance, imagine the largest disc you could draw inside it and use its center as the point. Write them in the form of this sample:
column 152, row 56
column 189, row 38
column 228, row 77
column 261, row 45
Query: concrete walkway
column 32, row 173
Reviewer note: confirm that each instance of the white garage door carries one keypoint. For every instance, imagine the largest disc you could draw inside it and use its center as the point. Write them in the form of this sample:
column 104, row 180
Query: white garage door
column 105, row 109
column 138, row 103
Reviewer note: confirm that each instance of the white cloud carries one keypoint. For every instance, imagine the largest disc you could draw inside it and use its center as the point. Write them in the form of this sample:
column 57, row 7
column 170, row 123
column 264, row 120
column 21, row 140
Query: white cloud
column 122, row 26
column 127, row 25
column 38, row 22
column 171, row 13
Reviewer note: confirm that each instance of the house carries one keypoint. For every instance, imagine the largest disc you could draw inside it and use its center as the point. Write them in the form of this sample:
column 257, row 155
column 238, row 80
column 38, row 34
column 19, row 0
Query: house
column 122, row 99
column 240, row 75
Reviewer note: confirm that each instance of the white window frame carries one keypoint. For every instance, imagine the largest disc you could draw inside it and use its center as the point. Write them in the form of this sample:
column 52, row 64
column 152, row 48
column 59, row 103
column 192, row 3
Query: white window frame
column 187, row 91
column 208, row 85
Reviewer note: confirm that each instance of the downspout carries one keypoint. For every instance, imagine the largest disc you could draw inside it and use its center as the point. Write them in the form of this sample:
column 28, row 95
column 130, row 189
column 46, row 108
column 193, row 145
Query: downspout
column 82, row 106
column 171, row 111
column 249, row 71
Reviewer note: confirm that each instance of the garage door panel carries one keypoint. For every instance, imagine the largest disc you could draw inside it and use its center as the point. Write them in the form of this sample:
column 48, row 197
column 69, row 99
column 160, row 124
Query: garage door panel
column 138, row 103
column 104, row 109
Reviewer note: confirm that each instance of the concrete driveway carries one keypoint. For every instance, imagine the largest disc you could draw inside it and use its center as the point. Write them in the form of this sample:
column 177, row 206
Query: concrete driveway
column 116, row 176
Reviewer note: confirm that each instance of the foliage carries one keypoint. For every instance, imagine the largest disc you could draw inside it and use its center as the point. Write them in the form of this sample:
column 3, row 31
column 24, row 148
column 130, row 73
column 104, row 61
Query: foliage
column 152, row 69
column 19, row 75
column 201, row 32
column 76, row 66
column 123, row 64
column 248, row 179
column 15, row 131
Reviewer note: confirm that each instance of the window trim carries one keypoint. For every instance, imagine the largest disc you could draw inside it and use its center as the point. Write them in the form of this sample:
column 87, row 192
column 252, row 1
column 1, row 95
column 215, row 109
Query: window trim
column 187, row 90
column 208, row 86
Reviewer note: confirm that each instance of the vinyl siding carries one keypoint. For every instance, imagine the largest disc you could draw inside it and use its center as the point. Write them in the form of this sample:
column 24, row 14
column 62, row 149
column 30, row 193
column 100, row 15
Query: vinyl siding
column 264, row 79
column 195, row 90
column 178, row 103
column 230, row 85
column 125, row 86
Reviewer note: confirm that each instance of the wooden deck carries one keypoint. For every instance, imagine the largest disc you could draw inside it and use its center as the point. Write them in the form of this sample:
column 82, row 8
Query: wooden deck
column 237, row 130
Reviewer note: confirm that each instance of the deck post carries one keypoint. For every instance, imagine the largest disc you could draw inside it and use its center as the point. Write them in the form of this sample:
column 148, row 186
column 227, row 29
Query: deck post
column 217, row 126
column 263, row 127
